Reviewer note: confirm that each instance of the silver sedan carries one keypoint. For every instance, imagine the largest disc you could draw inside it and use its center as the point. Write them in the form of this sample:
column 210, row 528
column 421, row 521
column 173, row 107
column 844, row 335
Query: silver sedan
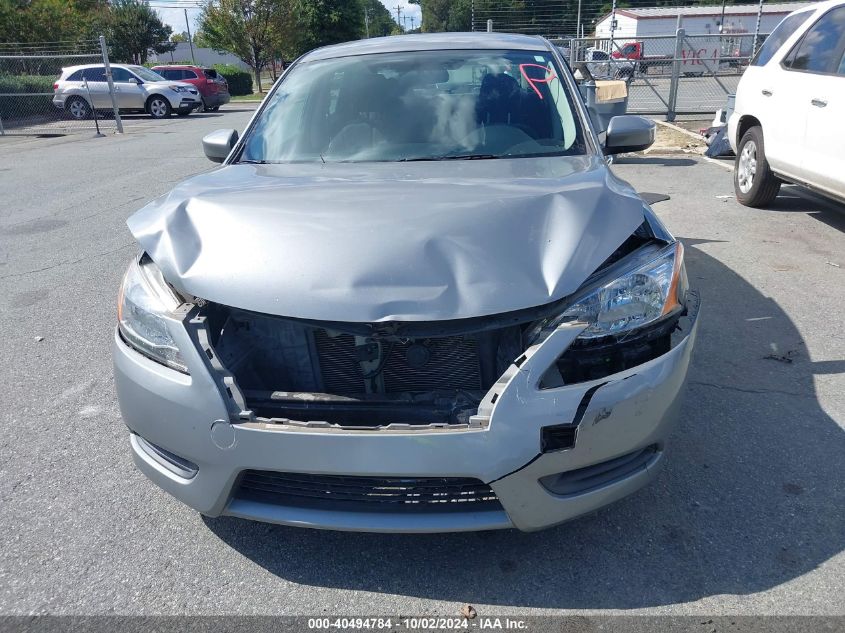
column 413, row 298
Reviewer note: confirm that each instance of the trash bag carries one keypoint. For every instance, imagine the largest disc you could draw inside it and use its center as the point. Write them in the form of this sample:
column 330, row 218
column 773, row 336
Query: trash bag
column 719, row 146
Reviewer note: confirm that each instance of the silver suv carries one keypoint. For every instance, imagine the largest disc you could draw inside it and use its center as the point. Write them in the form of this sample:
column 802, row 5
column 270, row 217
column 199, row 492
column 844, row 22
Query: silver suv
column 136, row 88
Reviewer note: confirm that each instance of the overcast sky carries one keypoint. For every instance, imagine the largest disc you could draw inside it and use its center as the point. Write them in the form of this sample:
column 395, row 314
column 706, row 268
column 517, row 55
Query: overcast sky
column 176, row 17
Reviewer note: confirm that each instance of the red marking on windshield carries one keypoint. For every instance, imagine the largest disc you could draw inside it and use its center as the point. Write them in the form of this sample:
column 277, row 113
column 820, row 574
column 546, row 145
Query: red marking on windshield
column 550, row 74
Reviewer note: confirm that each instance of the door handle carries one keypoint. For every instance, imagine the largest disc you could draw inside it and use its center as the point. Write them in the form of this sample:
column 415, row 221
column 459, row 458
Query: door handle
column 766, row 92
column 819, row 103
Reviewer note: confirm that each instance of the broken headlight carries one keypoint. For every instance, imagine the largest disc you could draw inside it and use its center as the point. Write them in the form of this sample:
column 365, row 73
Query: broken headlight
column 642, row 295
column 144, row 301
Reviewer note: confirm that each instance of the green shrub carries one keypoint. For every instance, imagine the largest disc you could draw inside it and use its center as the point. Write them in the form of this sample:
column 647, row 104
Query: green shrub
column 240, row 81
column 13, row 107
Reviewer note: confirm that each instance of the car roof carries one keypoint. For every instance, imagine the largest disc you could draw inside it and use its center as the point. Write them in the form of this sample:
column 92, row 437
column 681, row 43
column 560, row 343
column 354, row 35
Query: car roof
column 820, row 7
column 430, row 42
column 177, row 66
column 82, row 66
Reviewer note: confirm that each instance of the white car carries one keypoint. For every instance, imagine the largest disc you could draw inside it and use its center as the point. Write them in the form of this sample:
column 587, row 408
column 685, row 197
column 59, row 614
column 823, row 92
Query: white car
column 135, row 87
column 788, row 123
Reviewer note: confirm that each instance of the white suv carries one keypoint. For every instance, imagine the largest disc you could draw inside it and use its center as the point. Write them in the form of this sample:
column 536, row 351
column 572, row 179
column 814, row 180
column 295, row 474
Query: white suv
column 789, row 119
column 135, row 88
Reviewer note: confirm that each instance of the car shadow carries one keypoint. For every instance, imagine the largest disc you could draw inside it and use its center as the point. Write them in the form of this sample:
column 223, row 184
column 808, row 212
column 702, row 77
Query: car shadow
column 795, row 198
column 751, row 497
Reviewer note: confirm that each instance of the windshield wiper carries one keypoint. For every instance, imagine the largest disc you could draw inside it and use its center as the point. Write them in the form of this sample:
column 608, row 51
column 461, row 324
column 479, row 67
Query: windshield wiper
column 250, row 161
column 451, row 157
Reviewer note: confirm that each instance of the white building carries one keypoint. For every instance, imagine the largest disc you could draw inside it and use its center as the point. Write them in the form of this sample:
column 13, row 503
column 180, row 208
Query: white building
column 699, row 20
column 202, row 56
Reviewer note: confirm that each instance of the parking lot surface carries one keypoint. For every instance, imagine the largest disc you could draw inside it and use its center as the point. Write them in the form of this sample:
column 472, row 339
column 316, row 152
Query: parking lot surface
column 746, row 518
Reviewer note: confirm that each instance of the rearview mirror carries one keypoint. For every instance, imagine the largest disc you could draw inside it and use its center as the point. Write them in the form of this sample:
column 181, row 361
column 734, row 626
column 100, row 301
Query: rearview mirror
column 629, row 133
column 218, row 144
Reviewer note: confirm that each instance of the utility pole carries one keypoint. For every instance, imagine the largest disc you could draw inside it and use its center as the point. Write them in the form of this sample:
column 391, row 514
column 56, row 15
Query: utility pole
column 412, row 23
column 722, row 19
column 190, row 39
column 398, row 16
column 578, row 21
column 757, row 28
column 405, row 23
column 613, row 25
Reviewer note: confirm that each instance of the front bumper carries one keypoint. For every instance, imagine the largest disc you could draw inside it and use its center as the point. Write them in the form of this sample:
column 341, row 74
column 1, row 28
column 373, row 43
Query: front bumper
column 629, row 411
column 184, row 101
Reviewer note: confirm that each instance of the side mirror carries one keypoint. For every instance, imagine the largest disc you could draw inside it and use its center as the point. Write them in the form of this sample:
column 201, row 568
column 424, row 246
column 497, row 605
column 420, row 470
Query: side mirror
column 629, row 133
column 133, row 80
column 218, row 144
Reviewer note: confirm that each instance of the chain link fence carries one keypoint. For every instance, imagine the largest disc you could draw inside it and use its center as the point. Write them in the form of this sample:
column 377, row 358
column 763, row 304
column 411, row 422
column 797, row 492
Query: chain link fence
column 668, row 74
column 32, row 101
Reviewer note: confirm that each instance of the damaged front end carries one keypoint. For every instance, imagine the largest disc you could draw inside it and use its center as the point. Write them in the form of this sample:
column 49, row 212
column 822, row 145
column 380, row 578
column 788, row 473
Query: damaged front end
column 302, row 373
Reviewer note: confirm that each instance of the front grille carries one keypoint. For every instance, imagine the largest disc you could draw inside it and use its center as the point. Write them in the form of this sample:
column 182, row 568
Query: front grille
column 449, row 363
column 367, row 494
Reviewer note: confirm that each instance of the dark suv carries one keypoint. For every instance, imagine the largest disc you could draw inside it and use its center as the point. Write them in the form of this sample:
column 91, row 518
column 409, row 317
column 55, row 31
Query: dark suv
column 211, row 85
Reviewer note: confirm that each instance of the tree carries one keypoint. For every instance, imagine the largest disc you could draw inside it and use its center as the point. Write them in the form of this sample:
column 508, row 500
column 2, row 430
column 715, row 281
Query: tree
column 447, row 15
column 179, row 37
column 30, row 21
column 134, row 29
column 381, row 20
column 321, row 22
column 246, row 28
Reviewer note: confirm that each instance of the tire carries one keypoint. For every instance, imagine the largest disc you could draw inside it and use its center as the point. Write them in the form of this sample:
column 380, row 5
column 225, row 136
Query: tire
column 214, row 109
column 159, row 107
column 754, row 183
column 78, row 108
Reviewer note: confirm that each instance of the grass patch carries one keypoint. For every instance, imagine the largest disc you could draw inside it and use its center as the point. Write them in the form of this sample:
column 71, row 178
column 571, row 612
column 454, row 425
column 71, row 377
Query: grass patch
column 256, row 97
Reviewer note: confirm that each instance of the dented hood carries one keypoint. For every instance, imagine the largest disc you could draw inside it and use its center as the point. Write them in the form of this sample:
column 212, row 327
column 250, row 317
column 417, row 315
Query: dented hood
column 389, row 241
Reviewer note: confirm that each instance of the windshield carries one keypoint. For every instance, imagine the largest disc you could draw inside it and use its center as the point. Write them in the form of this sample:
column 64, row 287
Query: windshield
column 421, row 105
column 146, row 74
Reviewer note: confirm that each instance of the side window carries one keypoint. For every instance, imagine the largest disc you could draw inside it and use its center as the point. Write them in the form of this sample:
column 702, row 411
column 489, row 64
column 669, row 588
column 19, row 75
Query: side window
column 94, row 74
column 841, row 69
column 782, row 32
column 77, row 76
column 120, row 75
column 820, row 49
column 188, row 74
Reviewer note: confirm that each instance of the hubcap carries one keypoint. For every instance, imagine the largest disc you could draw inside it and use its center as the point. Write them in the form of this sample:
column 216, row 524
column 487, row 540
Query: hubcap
column 78, row 109
column 158, row 108
column 747, row 167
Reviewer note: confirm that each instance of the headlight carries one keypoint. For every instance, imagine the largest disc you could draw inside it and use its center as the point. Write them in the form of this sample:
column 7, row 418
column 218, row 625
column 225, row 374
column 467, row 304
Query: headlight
column 144, row 300
column 640, row 296
column 178, row 89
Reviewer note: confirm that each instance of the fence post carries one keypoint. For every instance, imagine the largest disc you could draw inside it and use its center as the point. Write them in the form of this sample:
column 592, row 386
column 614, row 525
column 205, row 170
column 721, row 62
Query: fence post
column 105, row 53
column 676, row 72
column 489, row 26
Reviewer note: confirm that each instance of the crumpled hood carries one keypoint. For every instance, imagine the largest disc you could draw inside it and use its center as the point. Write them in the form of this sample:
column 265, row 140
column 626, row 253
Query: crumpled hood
column 389, row 241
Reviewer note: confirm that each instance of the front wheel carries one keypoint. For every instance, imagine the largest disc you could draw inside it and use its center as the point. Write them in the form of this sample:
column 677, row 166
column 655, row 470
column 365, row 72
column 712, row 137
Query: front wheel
column 754, row 183
column 159, row 107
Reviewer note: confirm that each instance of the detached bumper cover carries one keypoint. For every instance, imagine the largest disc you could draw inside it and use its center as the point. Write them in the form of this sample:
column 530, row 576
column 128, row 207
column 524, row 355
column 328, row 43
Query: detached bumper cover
column 629, row 414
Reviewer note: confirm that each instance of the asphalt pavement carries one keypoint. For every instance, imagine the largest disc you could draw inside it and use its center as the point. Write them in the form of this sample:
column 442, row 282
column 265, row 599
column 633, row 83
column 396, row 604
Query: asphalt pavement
column 747, row 517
